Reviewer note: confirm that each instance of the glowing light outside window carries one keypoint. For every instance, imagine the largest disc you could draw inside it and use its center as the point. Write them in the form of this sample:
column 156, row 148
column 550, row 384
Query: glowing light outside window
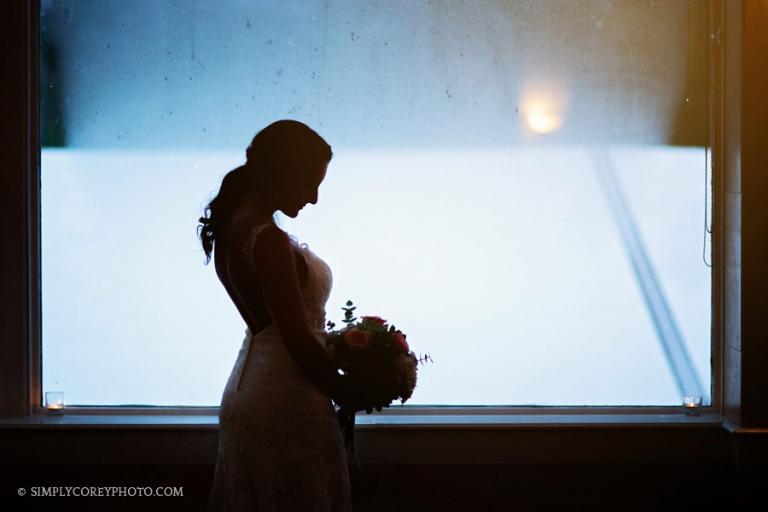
column 543, row 111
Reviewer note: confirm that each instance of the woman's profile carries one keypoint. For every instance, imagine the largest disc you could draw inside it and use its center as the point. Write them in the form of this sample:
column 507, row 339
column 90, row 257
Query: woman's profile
column 280, row 444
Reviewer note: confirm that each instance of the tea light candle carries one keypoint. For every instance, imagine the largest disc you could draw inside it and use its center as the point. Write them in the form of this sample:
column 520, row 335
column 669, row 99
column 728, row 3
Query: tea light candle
column 692, row 404
column 54, row 402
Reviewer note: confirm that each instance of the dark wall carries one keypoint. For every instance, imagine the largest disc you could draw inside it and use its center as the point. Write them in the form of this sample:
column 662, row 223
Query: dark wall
column 624, row 468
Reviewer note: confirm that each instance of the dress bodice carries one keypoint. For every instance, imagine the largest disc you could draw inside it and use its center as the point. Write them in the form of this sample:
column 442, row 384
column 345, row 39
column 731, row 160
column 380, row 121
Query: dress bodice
column 317, row 286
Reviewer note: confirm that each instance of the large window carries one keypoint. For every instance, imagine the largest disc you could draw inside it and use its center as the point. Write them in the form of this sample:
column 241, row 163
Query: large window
column 525, row 183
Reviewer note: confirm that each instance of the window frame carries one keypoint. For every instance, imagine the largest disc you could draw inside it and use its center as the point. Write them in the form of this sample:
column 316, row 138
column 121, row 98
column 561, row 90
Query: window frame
column 26, row 403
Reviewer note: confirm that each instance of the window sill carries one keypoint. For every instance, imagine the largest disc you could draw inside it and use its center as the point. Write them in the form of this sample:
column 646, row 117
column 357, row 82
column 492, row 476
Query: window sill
column 178, row 420
column 181, row 437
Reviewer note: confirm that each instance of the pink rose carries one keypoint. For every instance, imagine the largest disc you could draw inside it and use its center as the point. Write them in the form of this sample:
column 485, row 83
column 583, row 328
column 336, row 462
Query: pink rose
column 357, row 339
column 375, row 319
column 400, row 340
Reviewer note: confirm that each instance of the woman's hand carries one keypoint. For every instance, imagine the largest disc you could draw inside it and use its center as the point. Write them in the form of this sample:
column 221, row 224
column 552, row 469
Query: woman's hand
column 349, row 395
column 353, row 396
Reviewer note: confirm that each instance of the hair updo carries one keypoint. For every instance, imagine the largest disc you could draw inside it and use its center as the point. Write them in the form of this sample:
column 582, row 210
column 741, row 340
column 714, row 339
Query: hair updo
column 280, row 150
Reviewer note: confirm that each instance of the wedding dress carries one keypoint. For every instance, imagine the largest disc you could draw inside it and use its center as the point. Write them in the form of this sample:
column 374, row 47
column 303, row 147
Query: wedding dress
column 280, row 444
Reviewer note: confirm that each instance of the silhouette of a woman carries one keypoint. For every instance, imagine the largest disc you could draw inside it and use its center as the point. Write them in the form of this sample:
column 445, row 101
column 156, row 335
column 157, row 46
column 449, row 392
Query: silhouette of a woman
column 280, row 445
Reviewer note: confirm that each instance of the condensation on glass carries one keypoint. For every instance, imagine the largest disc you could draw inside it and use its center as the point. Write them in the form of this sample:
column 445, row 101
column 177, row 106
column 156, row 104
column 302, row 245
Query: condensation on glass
column 526, row 181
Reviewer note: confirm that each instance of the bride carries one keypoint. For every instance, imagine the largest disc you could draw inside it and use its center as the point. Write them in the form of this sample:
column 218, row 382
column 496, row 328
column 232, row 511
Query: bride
column 280, row 444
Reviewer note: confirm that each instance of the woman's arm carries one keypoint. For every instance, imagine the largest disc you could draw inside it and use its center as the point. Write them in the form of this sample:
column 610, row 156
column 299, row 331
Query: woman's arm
column 274, row 263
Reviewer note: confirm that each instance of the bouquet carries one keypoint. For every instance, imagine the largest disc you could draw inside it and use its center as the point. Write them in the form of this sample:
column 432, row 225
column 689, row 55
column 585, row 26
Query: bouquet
column 378, row 358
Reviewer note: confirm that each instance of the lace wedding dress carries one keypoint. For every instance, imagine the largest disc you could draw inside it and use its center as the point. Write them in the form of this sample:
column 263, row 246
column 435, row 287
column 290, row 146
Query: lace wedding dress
column 280, row 444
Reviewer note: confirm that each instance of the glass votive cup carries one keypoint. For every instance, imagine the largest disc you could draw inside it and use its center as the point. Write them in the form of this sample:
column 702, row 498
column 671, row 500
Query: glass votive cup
column 54, row 402
column 692, row 405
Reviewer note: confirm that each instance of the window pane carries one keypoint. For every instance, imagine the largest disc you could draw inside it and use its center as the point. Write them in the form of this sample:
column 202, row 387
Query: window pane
column 525, row 182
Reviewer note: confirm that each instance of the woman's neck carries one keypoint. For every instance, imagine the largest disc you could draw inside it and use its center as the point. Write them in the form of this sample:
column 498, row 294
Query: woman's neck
column 256, row 207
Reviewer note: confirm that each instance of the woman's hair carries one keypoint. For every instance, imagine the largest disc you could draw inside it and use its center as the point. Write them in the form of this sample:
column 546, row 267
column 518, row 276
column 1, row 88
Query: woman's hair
column 286, row 147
